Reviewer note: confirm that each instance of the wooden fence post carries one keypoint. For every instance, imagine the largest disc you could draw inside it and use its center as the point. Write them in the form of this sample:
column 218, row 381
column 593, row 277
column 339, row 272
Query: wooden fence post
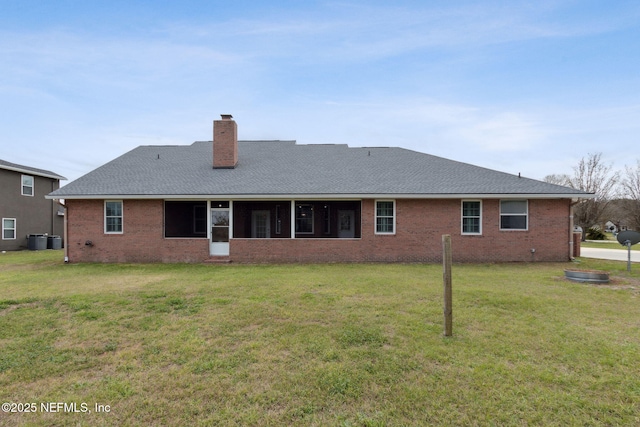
column 446, row 277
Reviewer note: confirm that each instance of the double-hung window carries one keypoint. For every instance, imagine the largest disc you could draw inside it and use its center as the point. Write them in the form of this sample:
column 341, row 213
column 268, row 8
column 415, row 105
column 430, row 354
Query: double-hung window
column 385, row 217
column 113, row 217
column 8, row 228
column 514, row 215
column 471, row 217
column 27, row 185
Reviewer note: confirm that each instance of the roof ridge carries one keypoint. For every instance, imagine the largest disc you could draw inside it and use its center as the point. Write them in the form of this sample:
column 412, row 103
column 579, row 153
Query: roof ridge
column 284, row 167
column 4, row 164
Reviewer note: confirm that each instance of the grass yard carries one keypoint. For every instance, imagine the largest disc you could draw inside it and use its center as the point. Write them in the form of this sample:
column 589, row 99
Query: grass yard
column 607, row 244
column 339, row 345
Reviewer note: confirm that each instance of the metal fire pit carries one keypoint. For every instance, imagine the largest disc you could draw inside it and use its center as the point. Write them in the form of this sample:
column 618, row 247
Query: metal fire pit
column 590, row 276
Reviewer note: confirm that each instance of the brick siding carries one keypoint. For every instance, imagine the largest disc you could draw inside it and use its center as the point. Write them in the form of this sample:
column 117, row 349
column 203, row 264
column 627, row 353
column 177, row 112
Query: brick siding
column 142, row 239
column 420, row 225
column 225, row 143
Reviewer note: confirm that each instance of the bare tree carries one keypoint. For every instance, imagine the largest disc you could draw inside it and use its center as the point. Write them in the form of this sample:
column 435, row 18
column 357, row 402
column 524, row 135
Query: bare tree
column 593, row 176
column 561, row 179
column 630, row 187
column 618, row 213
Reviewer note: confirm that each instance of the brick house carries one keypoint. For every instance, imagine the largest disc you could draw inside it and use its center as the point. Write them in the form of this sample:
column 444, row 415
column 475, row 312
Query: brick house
column 277, row 201
column 23, row 207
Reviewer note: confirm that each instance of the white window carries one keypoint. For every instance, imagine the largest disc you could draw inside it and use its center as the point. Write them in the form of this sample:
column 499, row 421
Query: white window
column 385, row 216
column 471, row 217
column 8, row 228
column 113, row 216
column 27, row 185
column 514, row 215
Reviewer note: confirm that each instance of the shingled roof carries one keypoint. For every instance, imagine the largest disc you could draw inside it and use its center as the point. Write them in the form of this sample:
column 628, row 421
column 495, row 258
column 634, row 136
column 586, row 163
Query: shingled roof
column 277, row 169
column 29, row 170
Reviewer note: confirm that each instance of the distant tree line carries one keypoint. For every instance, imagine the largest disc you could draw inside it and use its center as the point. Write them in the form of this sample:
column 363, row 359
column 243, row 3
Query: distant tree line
column 617, row 193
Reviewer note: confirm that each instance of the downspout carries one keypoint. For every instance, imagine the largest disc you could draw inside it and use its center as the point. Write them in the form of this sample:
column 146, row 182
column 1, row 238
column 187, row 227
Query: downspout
column 66, row 235
column 571, row 225
column 53, row 210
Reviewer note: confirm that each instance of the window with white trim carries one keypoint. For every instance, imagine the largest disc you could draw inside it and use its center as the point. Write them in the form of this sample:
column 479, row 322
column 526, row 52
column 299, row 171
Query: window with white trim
column 113, row 216
column 27, row 185
column 514, row 214
column 471, row 217
column 8, row 228
column 385, row 216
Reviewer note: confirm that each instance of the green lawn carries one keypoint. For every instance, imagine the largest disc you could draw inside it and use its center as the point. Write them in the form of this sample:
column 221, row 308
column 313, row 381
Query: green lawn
column 607, row 244
column 343, row 345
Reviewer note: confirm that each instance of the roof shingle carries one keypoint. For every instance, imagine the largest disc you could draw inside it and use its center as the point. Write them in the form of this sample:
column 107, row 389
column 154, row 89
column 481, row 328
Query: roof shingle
column 28, row 169
column 284, row 168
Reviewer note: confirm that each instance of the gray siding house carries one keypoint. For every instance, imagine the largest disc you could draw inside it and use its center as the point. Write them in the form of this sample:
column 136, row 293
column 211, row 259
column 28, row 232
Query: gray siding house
column 23, row 207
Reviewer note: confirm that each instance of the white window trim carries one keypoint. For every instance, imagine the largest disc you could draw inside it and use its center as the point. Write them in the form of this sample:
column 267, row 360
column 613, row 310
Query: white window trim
column 33, row 185
column 15, row 226
column 462, row 217
column 526, row 215
column 104, row 214
column 375, row 218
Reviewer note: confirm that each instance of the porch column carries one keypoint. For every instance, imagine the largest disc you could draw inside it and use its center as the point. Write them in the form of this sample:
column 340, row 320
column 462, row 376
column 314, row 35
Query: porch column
column 230, row 220
column 293, row 219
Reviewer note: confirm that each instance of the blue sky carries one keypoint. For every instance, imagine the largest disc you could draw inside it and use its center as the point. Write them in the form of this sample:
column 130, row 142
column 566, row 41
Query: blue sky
column 516, row 86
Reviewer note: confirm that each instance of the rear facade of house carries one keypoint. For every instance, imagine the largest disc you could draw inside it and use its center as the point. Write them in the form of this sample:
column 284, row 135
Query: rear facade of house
column 280, row 202
column 24, row 210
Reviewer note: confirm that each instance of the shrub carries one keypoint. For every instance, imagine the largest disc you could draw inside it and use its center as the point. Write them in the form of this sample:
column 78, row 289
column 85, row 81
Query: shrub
column 594, row 233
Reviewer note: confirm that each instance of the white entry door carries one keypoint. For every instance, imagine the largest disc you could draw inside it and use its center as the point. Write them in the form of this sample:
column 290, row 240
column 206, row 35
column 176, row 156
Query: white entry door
column 260, row 224
column 219, row 243
column 346, row 224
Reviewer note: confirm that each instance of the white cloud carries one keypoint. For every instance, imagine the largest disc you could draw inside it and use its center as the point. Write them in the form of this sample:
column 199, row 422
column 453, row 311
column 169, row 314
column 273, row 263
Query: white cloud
column 505, row 131
column 361, row 31
column 368, row 83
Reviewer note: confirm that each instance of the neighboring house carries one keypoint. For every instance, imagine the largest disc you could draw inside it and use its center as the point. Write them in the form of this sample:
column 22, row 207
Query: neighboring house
column 277, row 201
column 610, row 227
column 23, row 208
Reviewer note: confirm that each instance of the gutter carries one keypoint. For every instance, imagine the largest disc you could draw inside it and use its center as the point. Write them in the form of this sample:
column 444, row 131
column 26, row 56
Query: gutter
column 33, row 172
column 323, row 196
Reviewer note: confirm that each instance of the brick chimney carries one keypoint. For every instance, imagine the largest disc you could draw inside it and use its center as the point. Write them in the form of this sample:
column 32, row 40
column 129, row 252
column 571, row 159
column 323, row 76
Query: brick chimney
column 225, row 143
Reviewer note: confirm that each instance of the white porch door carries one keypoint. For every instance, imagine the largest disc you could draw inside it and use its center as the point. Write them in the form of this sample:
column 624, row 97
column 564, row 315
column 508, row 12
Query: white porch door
column 346, row 224
column 219, row 243
column 260, row 224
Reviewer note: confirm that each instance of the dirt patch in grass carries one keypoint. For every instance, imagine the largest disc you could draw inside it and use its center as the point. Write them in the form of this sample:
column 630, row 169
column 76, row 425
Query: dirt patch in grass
column 618, row 283
column 6, row 307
